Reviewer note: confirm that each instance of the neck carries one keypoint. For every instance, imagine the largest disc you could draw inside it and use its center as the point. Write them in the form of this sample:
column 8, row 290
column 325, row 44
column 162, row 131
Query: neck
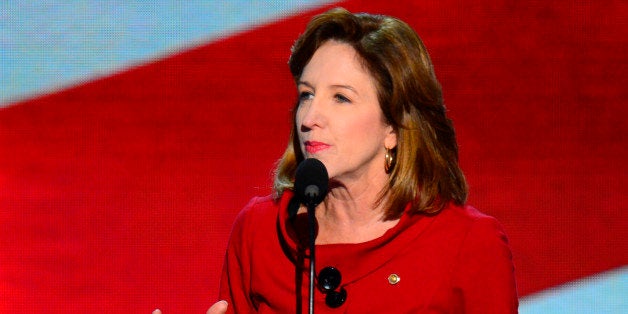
column 351, row 216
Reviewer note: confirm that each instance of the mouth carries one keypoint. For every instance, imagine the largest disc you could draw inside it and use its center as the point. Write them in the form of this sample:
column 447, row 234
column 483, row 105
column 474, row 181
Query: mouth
column 313, row 147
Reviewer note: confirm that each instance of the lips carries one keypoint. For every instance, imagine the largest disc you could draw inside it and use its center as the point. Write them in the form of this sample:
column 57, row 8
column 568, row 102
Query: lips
column 313, row 147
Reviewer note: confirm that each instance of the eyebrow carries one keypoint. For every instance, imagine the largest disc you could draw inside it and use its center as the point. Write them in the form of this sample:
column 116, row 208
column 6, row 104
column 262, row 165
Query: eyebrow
column 305, row 83
column 349, row 87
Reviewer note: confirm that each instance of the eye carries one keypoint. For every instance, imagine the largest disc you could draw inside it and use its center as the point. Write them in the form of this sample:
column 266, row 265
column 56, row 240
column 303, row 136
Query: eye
column 341, row 98
column 305, row 95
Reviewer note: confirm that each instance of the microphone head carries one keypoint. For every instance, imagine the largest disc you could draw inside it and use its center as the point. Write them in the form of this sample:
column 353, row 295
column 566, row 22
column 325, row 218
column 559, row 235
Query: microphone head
column 311, row 182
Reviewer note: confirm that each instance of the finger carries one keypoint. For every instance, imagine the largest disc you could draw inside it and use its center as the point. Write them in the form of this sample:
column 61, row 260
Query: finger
column 219, row 307
column 157, row 311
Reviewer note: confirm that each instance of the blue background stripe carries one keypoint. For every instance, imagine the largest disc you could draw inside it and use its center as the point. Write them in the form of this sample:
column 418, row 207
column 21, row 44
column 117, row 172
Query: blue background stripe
column 603, row 293
column 47, row 45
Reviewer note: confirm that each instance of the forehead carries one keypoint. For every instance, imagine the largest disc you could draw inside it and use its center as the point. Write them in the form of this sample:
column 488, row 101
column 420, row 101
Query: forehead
column 339, row 61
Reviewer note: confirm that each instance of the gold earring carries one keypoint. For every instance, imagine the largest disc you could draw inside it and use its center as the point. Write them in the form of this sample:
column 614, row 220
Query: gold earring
column 390, row 159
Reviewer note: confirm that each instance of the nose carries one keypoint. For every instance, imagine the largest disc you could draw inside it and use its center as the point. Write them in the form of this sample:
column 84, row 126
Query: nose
column 310, row 115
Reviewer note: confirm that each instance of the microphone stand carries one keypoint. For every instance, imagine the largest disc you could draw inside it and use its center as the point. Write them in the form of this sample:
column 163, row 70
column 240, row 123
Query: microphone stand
column 311, row 183
column 311, row 221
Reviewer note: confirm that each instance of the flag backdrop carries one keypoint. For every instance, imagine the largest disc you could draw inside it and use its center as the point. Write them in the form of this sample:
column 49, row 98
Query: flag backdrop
column 131, row 135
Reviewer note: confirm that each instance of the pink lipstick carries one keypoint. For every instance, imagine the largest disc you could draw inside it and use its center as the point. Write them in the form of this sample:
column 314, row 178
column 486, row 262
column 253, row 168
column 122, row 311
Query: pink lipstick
column 313, row 147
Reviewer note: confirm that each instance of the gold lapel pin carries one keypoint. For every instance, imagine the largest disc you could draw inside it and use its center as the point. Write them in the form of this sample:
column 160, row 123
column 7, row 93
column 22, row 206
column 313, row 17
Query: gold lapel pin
column 393, row 279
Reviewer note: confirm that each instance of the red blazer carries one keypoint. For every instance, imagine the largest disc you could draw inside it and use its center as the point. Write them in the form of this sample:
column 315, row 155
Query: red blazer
column 457, row 261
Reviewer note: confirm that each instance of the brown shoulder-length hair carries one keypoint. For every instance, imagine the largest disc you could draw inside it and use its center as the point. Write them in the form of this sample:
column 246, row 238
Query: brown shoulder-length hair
column 426, row 174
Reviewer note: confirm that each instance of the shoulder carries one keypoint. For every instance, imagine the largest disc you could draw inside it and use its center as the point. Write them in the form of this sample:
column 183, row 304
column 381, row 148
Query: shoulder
column 471, row 221
column 259, row 205
column 484, row 271
column 466, row 213
column 484, row 225
column 482, row 236
column 259, row 213
column 474, row 233
column 258, row 208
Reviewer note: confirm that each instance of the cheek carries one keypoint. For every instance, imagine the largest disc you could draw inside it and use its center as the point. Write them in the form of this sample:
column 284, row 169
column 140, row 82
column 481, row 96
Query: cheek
column 297, row 122
column 365, row 128
column 297, row 118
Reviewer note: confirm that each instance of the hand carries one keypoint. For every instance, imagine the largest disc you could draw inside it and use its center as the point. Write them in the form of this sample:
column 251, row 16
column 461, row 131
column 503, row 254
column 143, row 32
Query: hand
column 219, row 307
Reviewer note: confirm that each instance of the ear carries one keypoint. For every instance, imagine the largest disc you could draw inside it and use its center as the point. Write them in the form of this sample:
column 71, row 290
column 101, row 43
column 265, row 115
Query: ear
column 390, row 141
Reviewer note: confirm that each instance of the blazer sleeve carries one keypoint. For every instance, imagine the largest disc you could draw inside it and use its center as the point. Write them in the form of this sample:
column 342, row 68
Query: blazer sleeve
column 235, row 282
column 484, row 276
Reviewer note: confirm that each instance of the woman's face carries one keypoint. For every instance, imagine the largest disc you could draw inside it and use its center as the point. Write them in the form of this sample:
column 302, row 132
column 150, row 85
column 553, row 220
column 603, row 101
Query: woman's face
column 339, row 120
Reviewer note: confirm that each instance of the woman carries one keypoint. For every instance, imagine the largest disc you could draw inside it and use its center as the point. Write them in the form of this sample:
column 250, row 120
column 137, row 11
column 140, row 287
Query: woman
column 394, row 225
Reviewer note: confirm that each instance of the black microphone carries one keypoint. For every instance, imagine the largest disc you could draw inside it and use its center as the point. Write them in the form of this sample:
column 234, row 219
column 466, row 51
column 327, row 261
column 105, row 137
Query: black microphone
column 310, row 185
column 311, row 181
